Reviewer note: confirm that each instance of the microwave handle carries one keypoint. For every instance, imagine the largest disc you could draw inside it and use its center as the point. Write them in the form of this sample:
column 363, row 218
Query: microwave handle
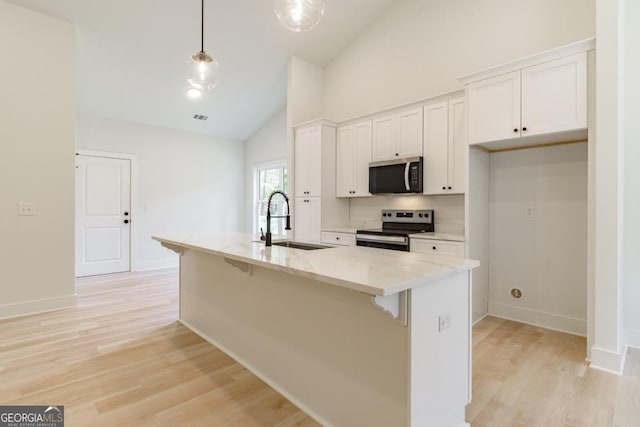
column 406, row 176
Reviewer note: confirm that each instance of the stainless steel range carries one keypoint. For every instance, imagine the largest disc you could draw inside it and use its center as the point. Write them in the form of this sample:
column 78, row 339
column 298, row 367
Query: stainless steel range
column 397, row 226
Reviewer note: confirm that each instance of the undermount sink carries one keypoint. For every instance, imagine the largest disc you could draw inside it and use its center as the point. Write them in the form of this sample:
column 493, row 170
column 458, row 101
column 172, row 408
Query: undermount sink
column 299, row 245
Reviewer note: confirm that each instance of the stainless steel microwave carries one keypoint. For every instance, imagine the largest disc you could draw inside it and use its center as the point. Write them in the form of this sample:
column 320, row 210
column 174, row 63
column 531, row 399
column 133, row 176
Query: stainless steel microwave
column 396, row 176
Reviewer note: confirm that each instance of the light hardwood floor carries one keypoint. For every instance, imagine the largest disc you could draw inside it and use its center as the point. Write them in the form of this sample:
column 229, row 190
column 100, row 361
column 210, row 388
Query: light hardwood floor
column 121, row 358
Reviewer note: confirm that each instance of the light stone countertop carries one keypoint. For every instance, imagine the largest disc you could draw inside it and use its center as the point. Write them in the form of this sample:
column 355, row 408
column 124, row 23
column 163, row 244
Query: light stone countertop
column 373, row 271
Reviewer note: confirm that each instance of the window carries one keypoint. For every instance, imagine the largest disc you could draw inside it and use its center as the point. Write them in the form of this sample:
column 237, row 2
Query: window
column 269, row 178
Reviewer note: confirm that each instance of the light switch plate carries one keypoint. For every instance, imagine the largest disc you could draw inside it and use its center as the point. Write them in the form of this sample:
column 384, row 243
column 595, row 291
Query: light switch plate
column 444, row 321
column 529, row 212
column 26, row 209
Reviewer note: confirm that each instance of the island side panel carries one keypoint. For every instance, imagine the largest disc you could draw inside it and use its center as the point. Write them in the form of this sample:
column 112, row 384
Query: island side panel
column 439, row 322
column 327, row 349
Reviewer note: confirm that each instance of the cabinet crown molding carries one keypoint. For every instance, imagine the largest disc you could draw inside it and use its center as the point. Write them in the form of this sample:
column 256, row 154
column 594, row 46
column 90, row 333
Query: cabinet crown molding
column 315, row 122
column 549, row 55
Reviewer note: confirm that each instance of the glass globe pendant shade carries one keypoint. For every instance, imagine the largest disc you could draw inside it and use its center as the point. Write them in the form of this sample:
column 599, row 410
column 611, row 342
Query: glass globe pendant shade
column 299, row 15
column 202, row 71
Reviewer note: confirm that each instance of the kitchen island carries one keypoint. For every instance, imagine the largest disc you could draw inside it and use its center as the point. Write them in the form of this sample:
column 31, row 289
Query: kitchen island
column 353, row 336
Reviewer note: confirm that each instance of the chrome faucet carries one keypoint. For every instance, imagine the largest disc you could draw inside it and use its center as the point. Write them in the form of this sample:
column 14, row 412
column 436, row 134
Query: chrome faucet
column 267, row 241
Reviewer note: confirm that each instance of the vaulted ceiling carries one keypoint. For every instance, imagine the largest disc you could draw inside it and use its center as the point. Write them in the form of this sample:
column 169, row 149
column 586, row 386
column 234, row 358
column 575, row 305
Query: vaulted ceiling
column 132, row 57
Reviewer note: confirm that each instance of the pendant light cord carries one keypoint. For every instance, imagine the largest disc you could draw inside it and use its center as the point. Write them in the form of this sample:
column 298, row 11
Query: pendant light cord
column 202, row 28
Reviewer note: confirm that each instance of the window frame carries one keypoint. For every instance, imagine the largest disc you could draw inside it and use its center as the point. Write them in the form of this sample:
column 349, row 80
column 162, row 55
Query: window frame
column 256, row 201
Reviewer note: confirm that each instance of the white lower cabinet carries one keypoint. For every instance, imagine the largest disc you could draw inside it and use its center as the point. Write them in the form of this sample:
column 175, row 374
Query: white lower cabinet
column 307, row 219
column 442, row 247
column 341, row 239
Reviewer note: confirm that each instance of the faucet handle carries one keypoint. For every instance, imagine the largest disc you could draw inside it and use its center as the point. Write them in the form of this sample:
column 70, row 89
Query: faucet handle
column 262, row 236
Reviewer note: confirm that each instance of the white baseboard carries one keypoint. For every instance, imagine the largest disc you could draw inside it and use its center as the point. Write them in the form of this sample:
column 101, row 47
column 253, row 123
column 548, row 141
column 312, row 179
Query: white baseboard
column 557, row 322
column 37, row 306
column 274, row 385
column 156, row 264
column 633, row 338
column 608, row 361
column 479, row 319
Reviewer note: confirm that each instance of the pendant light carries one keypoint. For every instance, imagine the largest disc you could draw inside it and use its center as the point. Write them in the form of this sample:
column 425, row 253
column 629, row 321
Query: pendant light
column 299, row 15
column 202, row 68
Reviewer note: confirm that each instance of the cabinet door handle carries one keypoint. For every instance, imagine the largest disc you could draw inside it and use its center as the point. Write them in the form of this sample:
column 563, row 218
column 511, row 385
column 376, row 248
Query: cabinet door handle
column 126, row 221
column 449, row 188
column 524, row 129
column 515, row 130
column 434, row 248
column 444, row 188
column 397, row 154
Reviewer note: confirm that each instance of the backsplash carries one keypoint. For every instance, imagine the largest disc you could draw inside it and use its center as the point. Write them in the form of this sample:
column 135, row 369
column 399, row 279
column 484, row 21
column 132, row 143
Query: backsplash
column 448, row 210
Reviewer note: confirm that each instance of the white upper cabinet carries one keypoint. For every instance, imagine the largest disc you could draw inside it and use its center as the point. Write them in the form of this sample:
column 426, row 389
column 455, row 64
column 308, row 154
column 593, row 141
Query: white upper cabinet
column 398, row 135
column 494, row 108
column 308, row 167
column 409, row 140
column 353, row 158
column 540, row 99
column 444, row 147
column 554, row 96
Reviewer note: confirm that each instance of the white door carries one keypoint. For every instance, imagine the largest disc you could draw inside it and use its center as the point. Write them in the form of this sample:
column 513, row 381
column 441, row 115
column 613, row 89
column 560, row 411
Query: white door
column 384, row 138
column 494, row 108
column 410, row 133
column 301, row 165
column 314, row 161
column 362, row 153
column 435, row 148
column 103, row 213
column 457, row 146
column 554, row 96
column 344, row 162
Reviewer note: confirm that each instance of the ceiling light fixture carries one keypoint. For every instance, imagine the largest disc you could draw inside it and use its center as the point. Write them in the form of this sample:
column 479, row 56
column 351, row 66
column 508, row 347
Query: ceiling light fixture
column 193, row 92
column 202, row 68
column 299, row 15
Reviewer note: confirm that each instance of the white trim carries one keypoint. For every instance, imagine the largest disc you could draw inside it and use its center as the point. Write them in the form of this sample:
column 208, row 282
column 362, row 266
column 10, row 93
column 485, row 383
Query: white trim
column 315, row 122
column 549, row 55
column 133, row 159
column 556, row 322
column 256, row 167
column 608, row 361
column 271, row 383
column 480, row 319
column 37, row 306
column 633, row 338
column 159, row 264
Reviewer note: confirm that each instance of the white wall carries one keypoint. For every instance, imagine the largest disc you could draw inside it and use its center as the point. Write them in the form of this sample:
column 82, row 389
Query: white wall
column 267, row 144
column 449, row 210
column 544, row 256
column 37, row 110
column 417, row 49
column 187, row 183
column 631, row 92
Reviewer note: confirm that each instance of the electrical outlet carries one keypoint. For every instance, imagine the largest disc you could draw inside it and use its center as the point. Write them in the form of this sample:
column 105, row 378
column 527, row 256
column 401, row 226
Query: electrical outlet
column 26, row 209
column 444, row 321
column 529, row 212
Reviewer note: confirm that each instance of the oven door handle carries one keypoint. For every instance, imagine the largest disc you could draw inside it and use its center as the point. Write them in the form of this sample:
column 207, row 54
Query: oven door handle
column 384, row 239
column 406, row 176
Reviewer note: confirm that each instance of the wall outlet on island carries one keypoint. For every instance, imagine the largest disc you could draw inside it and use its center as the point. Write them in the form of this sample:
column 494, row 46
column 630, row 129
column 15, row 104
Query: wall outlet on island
column 529, row 212
column 444, row 321
column 26, row 209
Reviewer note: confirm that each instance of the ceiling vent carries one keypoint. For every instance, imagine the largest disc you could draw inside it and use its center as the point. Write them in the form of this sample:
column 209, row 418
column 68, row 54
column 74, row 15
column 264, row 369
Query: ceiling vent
column 200, row 117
